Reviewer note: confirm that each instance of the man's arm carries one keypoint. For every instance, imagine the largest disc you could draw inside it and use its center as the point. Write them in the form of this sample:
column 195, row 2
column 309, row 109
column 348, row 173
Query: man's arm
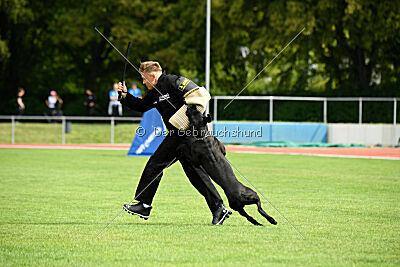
column 20, row 103
column 181, row 84
column 193, row 94
column 134, row 103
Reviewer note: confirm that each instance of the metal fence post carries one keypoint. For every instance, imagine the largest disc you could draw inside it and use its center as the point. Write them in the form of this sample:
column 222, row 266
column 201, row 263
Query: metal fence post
column 12, row 129
column 360, row 110
column 215, row 109
column 325, row 110
column 112, row 130
column 63, row 131
column 394, row 111
column 271, row 109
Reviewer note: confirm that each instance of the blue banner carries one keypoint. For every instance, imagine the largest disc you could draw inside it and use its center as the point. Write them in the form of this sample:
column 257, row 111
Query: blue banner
column 250, row 132
column 149, row 134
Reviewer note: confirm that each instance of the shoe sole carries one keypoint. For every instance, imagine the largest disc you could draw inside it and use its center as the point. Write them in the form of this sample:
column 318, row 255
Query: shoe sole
column 138, row 214
column 226, row 215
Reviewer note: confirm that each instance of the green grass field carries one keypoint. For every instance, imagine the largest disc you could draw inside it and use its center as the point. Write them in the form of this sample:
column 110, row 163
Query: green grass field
column 81, row 133
column 54, row 202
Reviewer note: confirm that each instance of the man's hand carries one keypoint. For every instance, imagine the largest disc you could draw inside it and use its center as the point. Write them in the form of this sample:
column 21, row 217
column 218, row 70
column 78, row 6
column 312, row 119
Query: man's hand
column 122, row 88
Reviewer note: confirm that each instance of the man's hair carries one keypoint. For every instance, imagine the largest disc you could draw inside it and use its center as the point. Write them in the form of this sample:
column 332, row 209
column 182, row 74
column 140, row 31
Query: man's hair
column 150, row 66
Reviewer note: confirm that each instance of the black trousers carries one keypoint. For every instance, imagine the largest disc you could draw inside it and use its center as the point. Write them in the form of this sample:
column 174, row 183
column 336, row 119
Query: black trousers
column 89, row 111
column 165, row 156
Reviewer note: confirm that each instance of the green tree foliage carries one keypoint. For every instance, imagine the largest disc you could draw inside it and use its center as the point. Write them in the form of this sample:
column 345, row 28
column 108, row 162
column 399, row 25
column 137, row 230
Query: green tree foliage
column 358, row 42
column 348, row 47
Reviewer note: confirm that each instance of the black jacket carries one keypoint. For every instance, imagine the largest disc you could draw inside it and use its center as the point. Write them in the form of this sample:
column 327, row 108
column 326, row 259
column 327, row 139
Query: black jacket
column 167, row 97
column 89, row 99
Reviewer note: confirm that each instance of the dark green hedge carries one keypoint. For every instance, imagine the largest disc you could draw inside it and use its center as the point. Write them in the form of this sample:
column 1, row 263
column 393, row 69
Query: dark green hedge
column 346, row 112
column 257, row 110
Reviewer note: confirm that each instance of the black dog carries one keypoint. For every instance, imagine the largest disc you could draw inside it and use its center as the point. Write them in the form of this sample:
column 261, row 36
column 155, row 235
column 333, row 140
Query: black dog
column 205, row 150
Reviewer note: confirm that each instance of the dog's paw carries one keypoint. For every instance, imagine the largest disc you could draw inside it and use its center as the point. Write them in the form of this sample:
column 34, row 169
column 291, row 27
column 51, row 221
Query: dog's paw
column 256, row 223
column 272, row 221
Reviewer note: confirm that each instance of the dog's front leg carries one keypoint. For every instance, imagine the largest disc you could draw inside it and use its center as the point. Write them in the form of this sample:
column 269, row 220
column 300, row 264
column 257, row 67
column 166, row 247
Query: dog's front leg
column 220, row 146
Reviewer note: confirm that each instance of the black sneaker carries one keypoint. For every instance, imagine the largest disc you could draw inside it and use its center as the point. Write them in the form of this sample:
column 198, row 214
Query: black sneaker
column 138, row 209
column 220, row 215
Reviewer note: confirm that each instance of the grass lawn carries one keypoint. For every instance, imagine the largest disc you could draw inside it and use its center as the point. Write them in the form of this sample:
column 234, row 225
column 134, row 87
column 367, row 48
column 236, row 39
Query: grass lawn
column 54, row 202
column 81, row 133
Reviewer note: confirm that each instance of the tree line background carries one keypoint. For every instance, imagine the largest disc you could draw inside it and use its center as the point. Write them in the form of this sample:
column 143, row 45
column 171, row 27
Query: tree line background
column 348, row 48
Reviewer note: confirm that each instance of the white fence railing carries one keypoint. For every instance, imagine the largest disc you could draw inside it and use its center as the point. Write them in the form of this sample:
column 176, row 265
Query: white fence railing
column 325, row 100
column 64, row 120
column 271, row 99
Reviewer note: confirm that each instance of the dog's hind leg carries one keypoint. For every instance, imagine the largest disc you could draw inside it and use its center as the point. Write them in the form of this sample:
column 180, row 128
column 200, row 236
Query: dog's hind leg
column 263, row 213
column 248, row 217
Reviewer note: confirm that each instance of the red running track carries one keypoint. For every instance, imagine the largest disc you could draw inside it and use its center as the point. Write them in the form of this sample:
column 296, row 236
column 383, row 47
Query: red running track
column 350, row 152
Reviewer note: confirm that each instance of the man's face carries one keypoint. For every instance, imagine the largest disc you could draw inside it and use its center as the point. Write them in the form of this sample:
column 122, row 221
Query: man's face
column 149, row 79
column 115, row 87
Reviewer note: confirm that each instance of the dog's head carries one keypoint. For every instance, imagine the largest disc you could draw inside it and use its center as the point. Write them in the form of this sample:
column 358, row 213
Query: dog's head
column 196, row 119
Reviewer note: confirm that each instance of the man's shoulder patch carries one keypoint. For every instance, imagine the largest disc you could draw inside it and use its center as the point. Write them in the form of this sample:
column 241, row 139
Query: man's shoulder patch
column 183, row 84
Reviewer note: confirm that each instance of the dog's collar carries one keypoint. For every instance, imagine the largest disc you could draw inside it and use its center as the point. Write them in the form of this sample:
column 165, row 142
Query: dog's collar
column 202, row 138
column 195, row 139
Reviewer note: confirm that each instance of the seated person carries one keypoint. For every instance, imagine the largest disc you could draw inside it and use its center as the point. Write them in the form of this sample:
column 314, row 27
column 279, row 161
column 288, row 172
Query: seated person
column 114, row 106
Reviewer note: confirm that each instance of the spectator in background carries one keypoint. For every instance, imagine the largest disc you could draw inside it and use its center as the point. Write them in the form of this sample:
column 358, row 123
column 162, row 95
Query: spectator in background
column 135, row 91
column 114, row 106
column 90, row 101
column 54, row 103
column 20, row 101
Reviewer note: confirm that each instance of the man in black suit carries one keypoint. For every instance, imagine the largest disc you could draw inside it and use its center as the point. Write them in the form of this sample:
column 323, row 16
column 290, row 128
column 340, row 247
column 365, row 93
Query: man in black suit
column 168, row 93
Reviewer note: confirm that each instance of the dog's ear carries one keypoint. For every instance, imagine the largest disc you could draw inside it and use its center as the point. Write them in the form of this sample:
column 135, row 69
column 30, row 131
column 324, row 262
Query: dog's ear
column 208, row 118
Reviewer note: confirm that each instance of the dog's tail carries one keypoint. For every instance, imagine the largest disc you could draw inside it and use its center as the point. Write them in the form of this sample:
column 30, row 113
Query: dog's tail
column 263, row 213
column 248, row 217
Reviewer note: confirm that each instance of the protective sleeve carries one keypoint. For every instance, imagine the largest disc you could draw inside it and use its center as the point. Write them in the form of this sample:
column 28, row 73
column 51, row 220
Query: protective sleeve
column 138, row 104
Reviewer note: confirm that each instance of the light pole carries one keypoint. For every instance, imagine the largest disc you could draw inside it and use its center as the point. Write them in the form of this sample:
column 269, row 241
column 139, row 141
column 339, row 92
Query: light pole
column 208, row 33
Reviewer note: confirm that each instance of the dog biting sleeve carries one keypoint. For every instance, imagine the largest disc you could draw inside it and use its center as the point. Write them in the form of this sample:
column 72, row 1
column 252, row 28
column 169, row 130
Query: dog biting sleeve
column 194, row 95
column 180, row 120
column 198, row 96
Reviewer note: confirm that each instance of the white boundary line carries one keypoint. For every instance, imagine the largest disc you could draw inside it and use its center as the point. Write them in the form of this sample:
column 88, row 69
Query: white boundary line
column 317, row 155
